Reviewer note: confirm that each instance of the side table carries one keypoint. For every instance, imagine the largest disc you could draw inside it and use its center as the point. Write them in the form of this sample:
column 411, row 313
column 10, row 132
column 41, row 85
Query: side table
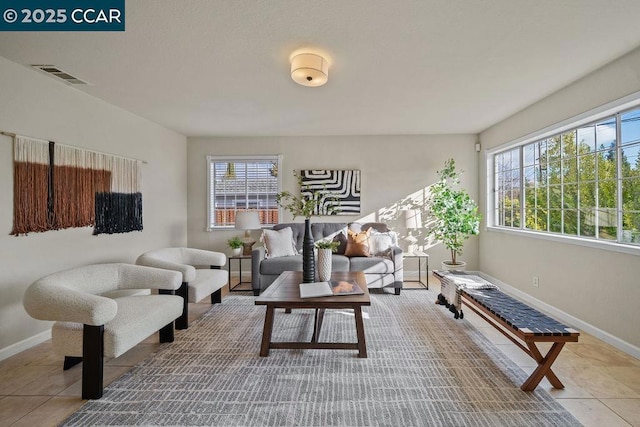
column 419, row 255
column 239, row 258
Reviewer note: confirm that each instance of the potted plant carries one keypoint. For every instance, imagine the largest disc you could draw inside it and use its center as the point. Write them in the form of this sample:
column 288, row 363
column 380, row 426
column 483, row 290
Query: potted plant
column 236, row 244
column 455, row 213
column 320, row 203
column 328, row 244
column 325, row 249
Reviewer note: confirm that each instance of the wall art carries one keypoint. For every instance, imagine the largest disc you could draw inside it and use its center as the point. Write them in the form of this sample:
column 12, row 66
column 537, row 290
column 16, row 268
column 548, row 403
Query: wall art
column 343, row 185
column 57, row 186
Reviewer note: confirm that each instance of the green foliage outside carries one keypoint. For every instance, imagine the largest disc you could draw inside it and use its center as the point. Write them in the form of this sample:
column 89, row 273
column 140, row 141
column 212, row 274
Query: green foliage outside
column 571, row 185
column 456, row 214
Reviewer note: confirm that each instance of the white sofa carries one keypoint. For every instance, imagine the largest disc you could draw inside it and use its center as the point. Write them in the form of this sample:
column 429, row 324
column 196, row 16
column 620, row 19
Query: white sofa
column 101, row 310
column 197, row 282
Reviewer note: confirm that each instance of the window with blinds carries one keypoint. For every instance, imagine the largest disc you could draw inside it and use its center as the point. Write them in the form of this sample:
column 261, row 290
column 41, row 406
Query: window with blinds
column 239, row 183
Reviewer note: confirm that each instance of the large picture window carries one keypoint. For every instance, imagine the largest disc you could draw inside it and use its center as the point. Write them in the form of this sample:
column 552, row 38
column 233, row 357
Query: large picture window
column 583, row 182
column 239, row 183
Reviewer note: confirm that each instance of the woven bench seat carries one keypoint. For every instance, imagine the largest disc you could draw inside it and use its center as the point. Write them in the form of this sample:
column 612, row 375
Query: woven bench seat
column 516, row 314
column 514, row 319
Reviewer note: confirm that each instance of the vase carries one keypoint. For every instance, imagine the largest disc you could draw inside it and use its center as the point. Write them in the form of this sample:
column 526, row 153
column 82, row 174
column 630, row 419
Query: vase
column 308, row 260
column 324, row 264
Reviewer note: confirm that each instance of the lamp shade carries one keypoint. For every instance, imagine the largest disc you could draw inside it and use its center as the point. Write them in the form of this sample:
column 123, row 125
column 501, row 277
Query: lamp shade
column 309, row 69
column 247, row 220
column 412, row 219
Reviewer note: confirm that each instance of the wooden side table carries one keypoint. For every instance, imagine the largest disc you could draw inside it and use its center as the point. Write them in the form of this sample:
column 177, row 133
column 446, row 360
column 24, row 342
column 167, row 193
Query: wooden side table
column 420, row 256
column 239, row 258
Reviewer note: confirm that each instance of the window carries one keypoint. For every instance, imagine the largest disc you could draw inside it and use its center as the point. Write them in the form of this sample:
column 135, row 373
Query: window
column 582, row 182
column 242, row 183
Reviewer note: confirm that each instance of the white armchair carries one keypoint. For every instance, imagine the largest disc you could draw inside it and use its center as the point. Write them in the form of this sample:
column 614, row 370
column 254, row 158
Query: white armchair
column 100, row 311
column 197, row 283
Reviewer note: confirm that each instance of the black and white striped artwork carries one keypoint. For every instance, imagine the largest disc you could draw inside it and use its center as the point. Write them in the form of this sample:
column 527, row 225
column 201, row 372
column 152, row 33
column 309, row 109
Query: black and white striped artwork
column 329, row 185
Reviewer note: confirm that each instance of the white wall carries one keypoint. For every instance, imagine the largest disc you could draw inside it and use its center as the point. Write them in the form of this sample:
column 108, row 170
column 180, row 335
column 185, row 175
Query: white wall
column 597, row 286
column 38, row 106
column 392, row 168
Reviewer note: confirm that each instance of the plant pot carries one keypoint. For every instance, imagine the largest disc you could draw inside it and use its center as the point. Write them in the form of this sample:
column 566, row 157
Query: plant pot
column 236, row 251
column 324, row 264
column 460, row 265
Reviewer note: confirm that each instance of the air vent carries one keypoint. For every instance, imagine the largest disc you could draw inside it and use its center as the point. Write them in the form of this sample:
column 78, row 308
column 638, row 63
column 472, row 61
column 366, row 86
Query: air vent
column 54, row 71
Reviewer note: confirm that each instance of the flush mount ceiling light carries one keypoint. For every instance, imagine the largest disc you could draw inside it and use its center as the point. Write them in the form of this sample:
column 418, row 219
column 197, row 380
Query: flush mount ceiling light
column 309, row 69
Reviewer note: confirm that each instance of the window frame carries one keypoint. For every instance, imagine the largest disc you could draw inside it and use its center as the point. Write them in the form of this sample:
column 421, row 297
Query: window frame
column 212, row 158
column 615, row 109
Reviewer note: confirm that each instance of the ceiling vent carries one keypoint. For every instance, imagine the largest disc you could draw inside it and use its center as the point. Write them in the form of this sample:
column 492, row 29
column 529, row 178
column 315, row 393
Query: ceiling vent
column 54, row 71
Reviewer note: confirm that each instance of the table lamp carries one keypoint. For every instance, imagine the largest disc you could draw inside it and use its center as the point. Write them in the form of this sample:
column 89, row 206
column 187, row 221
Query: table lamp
column 247, row 221
column 412, row 221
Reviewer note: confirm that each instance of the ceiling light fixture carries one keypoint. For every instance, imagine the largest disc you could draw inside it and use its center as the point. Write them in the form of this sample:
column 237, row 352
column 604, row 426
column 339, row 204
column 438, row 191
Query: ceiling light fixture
column 309, row 69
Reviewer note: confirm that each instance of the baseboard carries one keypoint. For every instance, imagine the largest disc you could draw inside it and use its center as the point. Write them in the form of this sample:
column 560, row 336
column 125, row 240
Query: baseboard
column 564, row 317
column 23, row 345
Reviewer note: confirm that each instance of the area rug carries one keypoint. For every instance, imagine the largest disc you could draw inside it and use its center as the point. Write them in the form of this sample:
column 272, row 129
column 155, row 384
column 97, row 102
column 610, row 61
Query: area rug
column 424, row 369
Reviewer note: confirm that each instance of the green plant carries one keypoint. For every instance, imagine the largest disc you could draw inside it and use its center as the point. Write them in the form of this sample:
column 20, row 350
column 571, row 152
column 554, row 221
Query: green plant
column 235, row 242
column 321, row 202
column 327, row 244
column 456, row 214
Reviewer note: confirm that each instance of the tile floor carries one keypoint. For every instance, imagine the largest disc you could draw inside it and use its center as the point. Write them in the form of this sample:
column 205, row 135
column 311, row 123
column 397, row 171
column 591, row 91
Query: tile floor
column 602, row 384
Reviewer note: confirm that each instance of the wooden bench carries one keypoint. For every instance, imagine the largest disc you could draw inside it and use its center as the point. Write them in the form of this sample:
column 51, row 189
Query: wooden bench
column 524, row 326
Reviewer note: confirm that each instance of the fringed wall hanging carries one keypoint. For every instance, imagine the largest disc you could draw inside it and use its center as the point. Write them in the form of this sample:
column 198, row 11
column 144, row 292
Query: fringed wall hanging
column 31, row 190
column 120, row 210
column 77, row 176
column 58, row 186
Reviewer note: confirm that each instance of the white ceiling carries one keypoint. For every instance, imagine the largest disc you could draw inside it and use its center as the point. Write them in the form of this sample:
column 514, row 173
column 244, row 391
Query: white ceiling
column 221, row 67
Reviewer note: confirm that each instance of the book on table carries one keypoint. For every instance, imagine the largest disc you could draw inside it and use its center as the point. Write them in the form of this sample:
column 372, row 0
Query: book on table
column 329, row 288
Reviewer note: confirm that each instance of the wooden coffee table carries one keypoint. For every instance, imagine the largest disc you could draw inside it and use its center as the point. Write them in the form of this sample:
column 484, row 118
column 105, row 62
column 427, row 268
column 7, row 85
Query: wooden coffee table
column 284, row 292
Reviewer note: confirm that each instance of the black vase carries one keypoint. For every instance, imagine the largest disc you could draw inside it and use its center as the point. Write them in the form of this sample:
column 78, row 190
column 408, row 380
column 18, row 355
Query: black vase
column 308, row 260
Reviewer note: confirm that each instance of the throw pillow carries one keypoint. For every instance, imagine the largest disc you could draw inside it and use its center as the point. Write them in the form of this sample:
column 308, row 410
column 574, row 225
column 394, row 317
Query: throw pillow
column 357, row 244
column 339, row 237
column 342, row 243
column 380, row 243
column 278, row 243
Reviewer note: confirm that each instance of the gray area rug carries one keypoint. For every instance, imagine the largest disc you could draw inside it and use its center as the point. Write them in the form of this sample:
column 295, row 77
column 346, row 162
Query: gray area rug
column 424, row 369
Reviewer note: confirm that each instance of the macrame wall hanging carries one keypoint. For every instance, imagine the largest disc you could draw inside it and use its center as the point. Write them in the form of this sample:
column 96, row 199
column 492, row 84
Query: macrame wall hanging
column 58, row 186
